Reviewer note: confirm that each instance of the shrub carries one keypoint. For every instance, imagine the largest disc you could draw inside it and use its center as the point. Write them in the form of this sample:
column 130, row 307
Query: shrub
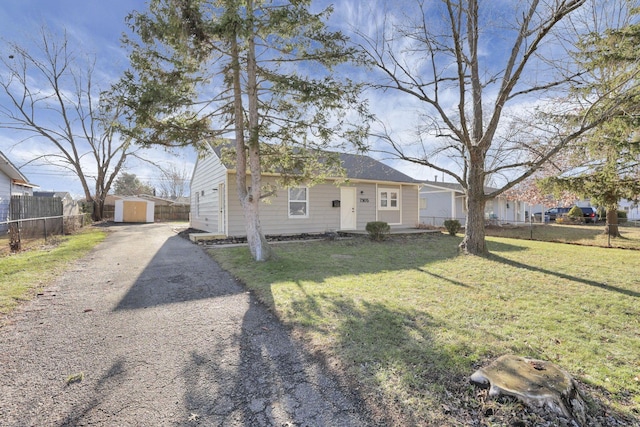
column 452, row 226
column 622, row 217
column 378, row 230
column 575, row 213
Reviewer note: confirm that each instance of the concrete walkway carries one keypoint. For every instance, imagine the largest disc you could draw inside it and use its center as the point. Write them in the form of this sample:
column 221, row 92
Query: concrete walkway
column 148, row 331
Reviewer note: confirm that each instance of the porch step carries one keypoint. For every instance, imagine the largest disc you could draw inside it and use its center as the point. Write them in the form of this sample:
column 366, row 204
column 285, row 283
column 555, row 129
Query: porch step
column 196, row 237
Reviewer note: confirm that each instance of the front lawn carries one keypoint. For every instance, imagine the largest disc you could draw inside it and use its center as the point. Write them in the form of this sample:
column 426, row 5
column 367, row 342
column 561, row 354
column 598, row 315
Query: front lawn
column 412, row 321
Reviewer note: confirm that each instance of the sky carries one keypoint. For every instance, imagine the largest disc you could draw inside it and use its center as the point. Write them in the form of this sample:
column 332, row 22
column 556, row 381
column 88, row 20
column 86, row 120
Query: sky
column 94, row 27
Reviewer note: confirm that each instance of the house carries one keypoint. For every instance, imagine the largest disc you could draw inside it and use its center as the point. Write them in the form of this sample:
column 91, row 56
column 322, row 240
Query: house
column 440, row 201
column 69, row 206
column 372, row 192
column 631, row 208
column 12, row 183
column 161, row 201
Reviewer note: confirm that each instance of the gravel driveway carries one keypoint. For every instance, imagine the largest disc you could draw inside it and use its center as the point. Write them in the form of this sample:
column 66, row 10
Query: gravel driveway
column 147, row 330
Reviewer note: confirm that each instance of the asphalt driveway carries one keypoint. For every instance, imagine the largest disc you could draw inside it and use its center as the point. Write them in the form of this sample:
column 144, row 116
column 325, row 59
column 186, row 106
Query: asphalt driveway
column 147, row 330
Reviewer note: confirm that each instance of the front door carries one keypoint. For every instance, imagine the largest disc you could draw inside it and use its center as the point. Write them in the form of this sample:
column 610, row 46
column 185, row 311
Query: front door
column 347, row 208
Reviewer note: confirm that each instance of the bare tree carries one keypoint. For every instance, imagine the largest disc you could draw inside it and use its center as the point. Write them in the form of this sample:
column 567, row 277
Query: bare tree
column 489, row 85
column 52, row 98
column 174, row 182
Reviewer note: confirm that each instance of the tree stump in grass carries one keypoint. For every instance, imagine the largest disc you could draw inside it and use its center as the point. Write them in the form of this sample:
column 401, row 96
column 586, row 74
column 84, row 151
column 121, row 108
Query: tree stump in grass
column 535, row 383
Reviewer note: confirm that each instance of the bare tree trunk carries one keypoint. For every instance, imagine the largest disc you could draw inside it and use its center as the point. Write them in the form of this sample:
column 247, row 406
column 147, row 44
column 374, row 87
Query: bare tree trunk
column 98, row 209
column 474, row 233
column 612, row 222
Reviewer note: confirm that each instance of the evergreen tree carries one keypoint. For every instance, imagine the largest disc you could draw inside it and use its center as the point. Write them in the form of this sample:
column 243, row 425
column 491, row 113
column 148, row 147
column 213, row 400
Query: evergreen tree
column 261, row 72
column 607, row 159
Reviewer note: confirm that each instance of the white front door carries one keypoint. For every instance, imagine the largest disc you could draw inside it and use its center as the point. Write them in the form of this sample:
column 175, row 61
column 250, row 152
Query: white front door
column 347, row 208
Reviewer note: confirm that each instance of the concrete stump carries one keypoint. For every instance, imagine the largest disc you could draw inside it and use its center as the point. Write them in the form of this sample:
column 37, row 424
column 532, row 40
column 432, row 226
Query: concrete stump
column 535, row 383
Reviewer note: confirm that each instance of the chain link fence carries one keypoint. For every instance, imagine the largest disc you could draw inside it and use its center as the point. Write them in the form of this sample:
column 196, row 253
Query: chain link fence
column 14, row 234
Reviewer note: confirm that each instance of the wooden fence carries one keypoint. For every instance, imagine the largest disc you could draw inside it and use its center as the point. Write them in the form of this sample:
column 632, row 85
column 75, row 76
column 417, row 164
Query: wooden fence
column 161, row 213
column 25, row 207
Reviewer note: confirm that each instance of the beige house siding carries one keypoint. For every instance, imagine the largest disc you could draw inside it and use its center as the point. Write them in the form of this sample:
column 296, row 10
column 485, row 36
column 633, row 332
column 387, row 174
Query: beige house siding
column 205, row 200
column 215, row 208
column 323, row 217
column 410, row 205
column 274, row 212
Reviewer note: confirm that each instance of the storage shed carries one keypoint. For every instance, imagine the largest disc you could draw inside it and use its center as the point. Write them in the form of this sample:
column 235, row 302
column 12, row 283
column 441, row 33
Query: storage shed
column 134, row 209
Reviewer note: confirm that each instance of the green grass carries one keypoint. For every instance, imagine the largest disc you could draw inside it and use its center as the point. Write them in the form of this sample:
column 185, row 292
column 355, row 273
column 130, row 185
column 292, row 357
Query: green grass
column 588, row 234
column 24, row 273
column 412, row 320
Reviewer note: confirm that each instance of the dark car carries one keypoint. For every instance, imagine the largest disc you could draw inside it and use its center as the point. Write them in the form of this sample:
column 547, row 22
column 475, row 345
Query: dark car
column 556, row 212
column 589, row 214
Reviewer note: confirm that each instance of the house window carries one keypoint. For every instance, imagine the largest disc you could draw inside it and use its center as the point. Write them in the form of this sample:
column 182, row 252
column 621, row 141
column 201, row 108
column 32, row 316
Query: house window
column 388, row 199
column 423, row 203
column 197, row 205
column 299, row 202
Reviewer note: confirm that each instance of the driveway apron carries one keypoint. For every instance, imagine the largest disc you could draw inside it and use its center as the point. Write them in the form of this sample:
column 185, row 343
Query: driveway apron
column 147, row 330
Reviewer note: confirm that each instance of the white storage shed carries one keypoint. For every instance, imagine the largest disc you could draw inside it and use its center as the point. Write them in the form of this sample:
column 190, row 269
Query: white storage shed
column 134, row 209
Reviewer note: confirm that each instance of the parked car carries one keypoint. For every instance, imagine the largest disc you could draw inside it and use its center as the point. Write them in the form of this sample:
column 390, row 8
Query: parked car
column 589, row 214
column 554, row 213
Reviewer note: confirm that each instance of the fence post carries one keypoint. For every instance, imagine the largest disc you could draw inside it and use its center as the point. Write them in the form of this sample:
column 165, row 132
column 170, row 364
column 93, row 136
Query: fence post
column 45, row 230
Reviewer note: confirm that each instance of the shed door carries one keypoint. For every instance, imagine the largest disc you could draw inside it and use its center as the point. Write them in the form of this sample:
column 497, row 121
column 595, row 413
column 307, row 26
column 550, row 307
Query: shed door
column 134, row 211
column 347, row 208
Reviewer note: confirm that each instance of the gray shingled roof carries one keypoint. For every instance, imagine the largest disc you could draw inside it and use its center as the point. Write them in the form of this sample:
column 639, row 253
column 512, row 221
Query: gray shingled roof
column 357, row 166
column 364, row 167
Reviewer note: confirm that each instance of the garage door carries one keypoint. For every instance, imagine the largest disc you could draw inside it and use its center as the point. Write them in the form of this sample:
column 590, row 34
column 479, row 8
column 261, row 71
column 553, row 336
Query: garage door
column 134, row 211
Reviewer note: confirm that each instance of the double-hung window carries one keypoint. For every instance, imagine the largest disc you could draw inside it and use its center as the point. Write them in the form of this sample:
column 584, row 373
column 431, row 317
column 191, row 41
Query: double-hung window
column 299, row 202
column 388, row 199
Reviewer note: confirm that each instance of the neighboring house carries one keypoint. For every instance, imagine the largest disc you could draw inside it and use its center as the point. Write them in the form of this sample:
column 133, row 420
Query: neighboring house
column 69, row 206
column 12, row 183
column 372, row 192
column 160, row 201
column 440, row 201
column 631, row 208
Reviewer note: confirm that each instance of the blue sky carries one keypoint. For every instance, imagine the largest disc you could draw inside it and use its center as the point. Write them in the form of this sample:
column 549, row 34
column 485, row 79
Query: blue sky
column 93, row 27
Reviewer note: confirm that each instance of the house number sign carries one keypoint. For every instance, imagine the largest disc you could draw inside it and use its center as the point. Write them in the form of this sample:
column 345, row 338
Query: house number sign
column 364, row 200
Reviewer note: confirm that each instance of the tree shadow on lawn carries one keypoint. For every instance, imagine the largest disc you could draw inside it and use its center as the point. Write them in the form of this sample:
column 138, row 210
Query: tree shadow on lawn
column 392, row 351
column 576, row 279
